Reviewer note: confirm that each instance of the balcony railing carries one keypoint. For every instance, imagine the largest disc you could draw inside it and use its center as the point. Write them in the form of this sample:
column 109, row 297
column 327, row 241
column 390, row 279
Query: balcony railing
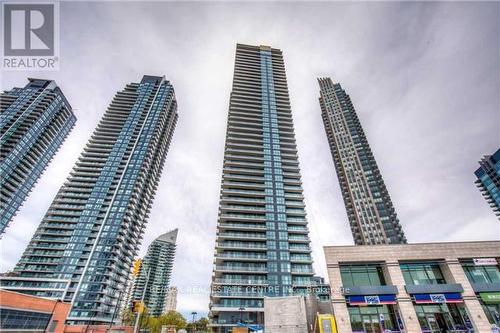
column 235, row 268
column 241, row 281
column 241, row 256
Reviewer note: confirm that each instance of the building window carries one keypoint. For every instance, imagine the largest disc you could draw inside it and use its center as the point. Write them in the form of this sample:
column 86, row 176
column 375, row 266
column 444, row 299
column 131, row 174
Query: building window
column 422, row 273
column 23, row 320
column 367, row 318
column 362, row 275
column 481, row 274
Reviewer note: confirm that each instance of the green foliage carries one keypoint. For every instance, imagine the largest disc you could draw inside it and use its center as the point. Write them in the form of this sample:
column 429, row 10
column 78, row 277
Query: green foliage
column 200, row 325
column 173, row 318
column 144, row 319
column 154, row 324
column 128, row 317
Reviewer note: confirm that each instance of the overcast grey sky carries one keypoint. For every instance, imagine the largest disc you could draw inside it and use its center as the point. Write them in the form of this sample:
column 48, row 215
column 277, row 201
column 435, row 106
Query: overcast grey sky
column 423, row 77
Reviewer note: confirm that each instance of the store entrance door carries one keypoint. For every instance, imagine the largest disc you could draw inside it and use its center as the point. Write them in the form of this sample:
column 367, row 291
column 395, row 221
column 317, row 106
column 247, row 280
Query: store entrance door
column 436, row 322
column 371, row 324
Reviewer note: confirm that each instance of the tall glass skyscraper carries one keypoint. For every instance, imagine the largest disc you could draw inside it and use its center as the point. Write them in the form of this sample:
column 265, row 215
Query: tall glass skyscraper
column 153, row 280
column 262, row 246
column 35, row 121
column 372, row 217
column 83, row 249
column 488, row 180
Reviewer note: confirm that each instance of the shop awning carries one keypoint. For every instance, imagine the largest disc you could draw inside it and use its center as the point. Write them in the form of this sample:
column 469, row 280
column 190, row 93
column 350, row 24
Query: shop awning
column 371, row 299
column 490, row 298
column 438, row 298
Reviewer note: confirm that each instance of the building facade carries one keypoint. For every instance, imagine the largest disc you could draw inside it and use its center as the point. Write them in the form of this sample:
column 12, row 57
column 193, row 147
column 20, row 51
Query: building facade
column 433, row 287
column 170, row 300
column 488, row 180
column 35, row 122
column 26, row 313
column 151, row 285
column 262, row 243
column 84, row 247
column 370, row 211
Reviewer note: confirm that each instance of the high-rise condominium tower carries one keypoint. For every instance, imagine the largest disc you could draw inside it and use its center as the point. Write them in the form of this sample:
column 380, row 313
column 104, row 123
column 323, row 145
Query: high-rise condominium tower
column 488, row 180
column 262, row 246
column 152, row 283
column 170, row 300
column 372, row 217
column 34, row 122
column 83, row 249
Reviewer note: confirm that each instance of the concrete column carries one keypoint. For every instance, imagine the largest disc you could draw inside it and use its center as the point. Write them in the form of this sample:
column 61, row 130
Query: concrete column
column 405, row 304
column 338, row 300
column 453, row 270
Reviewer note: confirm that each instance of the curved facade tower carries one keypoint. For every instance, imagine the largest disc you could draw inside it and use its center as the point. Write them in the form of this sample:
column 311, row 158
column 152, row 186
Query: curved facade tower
column 153, row 279
column 372, row 217
column 262, row 246
column 83, row 249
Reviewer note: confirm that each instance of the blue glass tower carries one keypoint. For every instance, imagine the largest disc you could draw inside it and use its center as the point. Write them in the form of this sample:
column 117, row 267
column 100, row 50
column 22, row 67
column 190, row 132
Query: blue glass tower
column 262, row 244
column 84, row 247
column 488, row 180
column 35, row 120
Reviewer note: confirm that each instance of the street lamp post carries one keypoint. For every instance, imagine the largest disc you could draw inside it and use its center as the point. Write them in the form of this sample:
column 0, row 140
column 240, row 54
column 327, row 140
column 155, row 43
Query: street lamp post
column 194, row 313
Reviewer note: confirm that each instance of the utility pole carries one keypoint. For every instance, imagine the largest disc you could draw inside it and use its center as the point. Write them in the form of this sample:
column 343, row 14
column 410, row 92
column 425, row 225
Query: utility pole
column 136, row 326
column 51, row 314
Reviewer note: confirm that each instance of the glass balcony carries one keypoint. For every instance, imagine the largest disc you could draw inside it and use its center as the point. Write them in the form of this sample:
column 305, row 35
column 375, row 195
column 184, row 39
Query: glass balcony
column 243, row 225
column 241, row 268
column 241, row 281
column 242, row 256
column 242, row 245
column 242, row 235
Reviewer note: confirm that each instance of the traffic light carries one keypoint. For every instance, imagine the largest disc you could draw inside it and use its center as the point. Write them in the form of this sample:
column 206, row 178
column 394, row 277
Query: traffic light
column 137, row 267
column 138, row 306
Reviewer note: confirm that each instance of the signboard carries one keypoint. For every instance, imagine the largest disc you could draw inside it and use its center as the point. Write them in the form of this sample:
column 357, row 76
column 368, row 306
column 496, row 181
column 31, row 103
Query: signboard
column 438, row 298
column 372, row 300
column 490, row 298
column 485, row 261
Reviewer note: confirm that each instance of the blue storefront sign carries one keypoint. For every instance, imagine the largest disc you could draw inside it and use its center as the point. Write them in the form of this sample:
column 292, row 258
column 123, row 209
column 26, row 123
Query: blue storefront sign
column 438, row 298
column 371, row 299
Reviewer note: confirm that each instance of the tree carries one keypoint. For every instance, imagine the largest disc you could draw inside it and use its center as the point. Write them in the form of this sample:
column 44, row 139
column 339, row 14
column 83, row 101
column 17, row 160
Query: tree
column 154, row 324
column 200, row 325
column 128, row 317
column 145, row 319
column 173, row 318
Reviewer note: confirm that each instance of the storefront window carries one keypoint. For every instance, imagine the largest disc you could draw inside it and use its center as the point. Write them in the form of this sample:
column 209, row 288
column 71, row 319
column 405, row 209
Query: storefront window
column 440, row 317
column 422, row 273
column 372, row 318
column 362, row 275
column 492, row 312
